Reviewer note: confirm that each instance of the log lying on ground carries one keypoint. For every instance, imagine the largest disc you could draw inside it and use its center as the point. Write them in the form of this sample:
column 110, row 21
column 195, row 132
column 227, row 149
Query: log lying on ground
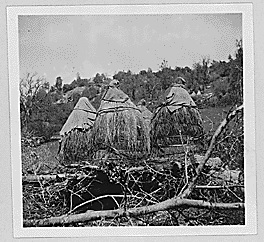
column 212, row 163
column 218, row 186
column 37, row 178
column 227, row 176
column 165, row 205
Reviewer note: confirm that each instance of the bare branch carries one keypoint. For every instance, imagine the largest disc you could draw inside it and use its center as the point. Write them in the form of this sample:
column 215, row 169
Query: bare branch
column 35, row 178
column 217, row 187
column 165, row 205
column 105, row 196
column 201, row 165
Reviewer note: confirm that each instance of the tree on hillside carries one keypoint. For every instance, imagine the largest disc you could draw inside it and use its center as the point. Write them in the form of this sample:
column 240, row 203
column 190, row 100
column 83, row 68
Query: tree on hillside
column 58, row 114
column 39, row 115
column 81, row 82
column 151, row 87
column 236, row 74
column 39, row 123
column 164, row 65
column 219, row 69
column 56, row 91
column 66, row 88
column 99, row 79
column 90, row 93
column 120, row 76
column 200, row 74
column 227, row 78
column 165, row 74
column 205, row 68
column 59, row 83
column 128, row 83
column 29, row 87
column 78, row 76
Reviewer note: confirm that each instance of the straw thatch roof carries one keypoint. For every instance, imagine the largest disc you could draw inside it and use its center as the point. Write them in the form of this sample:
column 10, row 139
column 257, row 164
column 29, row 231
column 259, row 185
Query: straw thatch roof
column 75, row 141
column 82, row 116
column 176, row 96
column 176, row 119
column 119, row 124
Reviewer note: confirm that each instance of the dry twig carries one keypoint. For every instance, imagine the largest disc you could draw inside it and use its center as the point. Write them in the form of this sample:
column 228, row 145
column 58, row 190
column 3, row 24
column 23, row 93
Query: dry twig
column 165, row 205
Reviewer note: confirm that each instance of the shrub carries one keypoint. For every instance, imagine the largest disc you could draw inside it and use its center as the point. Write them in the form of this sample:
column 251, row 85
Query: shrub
column 220, row 87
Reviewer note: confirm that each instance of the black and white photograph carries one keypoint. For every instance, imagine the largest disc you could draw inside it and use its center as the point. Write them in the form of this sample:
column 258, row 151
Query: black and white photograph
column 132, row 118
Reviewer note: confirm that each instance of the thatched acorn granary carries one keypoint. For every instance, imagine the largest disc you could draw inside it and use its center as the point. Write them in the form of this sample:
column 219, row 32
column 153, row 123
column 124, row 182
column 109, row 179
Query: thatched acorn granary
column 75, row 133
column 177, row 119
column 119, row 125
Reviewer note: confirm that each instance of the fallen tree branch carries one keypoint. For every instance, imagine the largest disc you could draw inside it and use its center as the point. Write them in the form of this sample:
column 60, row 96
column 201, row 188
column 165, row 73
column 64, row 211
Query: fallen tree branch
column 165, row 205
column 227, row 175
column 185, row 193
column 217, row 187
column 38, row 178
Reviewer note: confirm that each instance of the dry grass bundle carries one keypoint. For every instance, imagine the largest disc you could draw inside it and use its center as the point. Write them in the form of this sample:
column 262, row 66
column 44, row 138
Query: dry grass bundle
column 120, row 125
column 167, row 128
column 82, row 116
column 123, row 130
column 75, row 146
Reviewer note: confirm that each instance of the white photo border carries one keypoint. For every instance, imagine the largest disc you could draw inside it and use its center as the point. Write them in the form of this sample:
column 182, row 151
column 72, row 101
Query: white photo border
column 246, row 9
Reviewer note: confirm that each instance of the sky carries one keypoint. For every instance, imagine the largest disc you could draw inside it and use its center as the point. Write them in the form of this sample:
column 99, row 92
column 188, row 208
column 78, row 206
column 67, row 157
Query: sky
column 64, row 45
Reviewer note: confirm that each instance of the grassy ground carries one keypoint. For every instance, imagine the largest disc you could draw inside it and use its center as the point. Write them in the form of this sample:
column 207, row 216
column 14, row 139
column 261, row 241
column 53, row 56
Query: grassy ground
column 212, row 117
column 41, row 159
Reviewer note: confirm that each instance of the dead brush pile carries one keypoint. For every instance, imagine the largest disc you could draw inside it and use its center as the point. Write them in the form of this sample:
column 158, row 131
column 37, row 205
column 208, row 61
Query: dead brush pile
column 122, row 184
column 113, row 185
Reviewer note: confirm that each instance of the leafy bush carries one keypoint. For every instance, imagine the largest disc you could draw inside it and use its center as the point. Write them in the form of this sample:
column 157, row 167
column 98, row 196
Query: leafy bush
column 220, row 87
